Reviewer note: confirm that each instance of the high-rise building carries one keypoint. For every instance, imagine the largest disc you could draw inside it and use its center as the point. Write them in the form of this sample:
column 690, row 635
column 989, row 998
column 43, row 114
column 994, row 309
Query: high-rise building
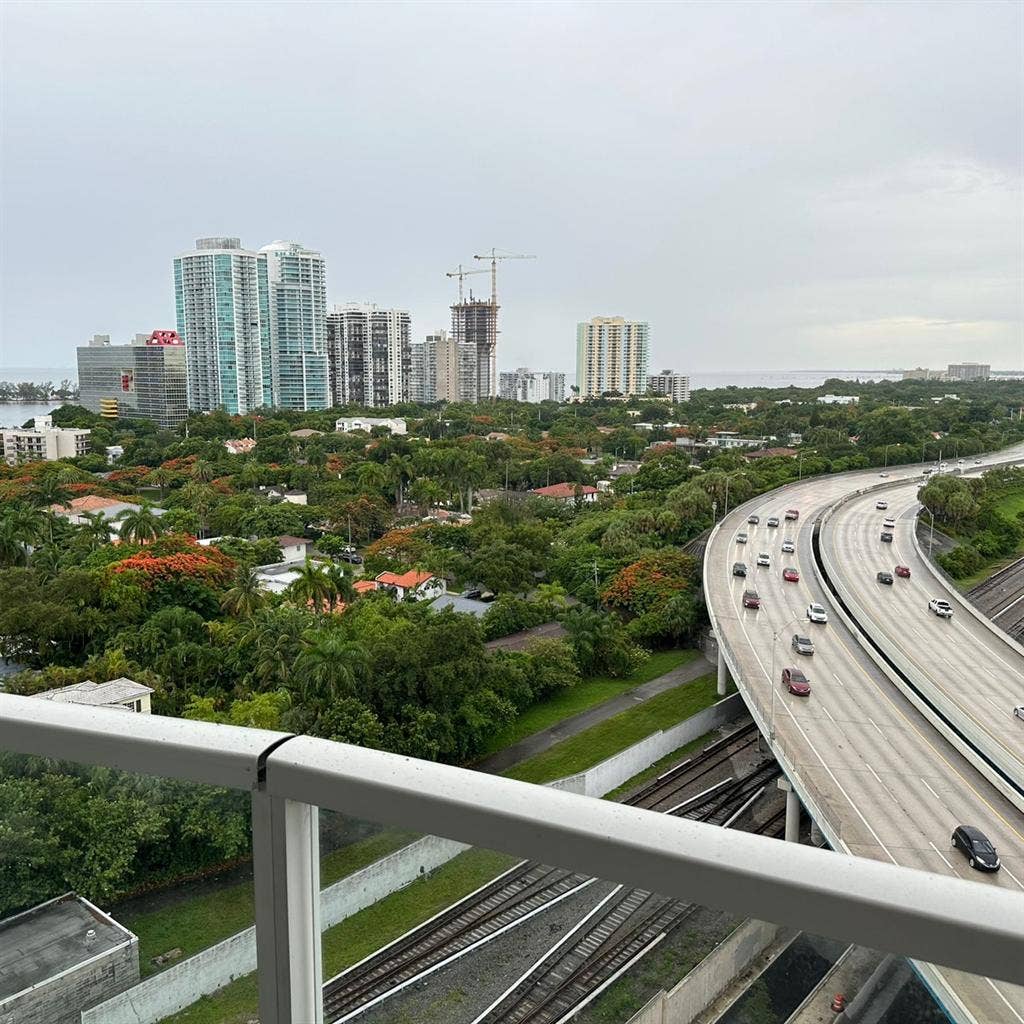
column 145, row 379
column 611, row 356
column 968, row 371
column 423, row 370
column 475, row 324
column 524, row 385
column 297, row 303
column 369, row 355
column 670, row 384
column 43, row 441
column 222, row 302
column 456, row 373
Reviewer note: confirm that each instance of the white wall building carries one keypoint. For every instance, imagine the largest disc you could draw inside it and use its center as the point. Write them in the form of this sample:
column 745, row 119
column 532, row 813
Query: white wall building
column 121, row 694
column 670, row 384
column 525, row 385
column 968, row 371
column 838, row 399
column 367, row 423
column 43, row 441
column 370, row 355
column 612, row 354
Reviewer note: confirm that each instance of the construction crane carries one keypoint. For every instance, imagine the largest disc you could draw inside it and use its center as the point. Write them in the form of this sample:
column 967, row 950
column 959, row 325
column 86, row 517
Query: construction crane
column 460, row 274
column 494, row 257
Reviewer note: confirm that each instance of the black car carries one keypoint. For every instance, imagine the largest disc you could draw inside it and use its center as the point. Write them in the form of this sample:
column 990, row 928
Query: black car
column 975, row 846
column 739, row 568
column 351, row 557
column 753, row 519
column 884, row 577
column 886, row 537
column 473, row 595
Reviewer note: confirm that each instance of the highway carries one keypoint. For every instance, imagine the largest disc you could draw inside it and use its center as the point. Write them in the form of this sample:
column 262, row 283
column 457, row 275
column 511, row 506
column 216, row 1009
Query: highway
column 883, row 782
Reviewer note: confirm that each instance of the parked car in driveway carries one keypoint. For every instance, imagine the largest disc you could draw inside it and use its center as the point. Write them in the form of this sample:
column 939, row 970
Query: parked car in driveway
column 816, row 613
column 903, row 571
column 976, row 847
column 788, row 547
column 886, row 537
column 941, row 607
column 739, row 568
column 790, row 575
column 764, row 558
column 802, row 644
column 750, row 599
column 796, row 682
column 884, row 577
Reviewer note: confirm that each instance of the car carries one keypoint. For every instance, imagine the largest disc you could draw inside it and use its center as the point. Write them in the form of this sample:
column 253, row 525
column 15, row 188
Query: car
column 802, row 644
column 881, row 505
column 887, row 536
column 959, row 462
column 773, row 520
column 816, row 613
column 883, row 475
column 796, row 682
column 792, row 513
column 888, row 523
column 473, row 595
column 903, row 571
column 753, row 519
column 977, row 462
column 739, row 568
column 788, row 547
column 741, row 538
column 884, row 577
column 940, row 607
column 790, row 575
column 351, row 557
column 943, row 466
column 488, row 596
column 1018, row 712
column 927, row 472
column 975, row 846
column 764, row 558
column 750, row 599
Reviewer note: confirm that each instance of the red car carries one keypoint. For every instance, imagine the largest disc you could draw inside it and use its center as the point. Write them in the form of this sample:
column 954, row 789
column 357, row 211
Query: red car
column 796, row 682
column 790, row 575
column 792, row 513
column 902, row 570
column 750, row 599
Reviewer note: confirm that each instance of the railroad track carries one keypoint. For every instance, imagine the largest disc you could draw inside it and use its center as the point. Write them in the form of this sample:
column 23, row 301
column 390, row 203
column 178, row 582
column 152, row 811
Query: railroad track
column 509, row 899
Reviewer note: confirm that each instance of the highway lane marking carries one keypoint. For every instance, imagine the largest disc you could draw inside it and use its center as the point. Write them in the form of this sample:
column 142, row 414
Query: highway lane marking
column 1015, row 671
column 1009, row 1005
column 877, row 728
column 934, row 794
column 881, row 783
column 838, row 680
column 827, row 712
column 944, row 861
column 1013, row 876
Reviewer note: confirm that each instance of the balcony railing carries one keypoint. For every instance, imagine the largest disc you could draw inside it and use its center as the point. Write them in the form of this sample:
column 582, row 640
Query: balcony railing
column 933, row 918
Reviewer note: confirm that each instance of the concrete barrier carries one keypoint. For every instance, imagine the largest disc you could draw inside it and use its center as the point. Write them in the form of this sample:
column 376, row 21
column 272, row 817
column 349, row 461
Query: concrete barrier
column 172, row 990
column 710, row 978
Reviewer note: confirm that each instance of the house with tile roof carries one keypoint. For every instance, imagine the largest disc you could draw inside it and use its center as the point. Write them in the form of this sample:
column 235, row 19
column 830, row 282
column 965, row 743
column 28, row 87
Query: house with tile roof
column 567, row 492
column 420, row 586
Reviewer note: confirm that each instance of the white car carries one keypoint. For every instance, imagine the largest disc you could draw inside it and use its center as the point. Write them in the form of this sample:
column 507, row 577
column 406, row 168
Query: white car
column 881, row 505
column 816, row 613
column 788, row 546
column 941, row 608
column 764, row 559
column 1018, row 712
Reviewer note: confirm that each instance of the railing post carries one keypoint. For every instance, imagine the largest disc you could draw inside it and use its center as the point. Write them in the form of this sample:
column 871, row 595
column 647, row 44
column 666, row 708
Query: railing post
column 286, row 881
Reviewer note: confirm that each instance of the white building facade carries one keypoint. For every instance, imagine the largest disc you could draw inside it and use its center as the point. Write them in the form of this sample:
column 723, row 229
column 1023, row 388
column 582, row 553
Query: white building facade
column 44, row 442
column 670, row 384
column 525, row 385
column 612, row 355
column 369, row 355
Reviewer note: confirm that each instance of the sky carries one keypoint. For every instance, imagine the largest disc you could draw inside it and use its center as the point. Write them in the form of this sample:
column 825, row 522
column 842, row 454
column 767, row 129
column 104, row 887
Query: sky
column 777, row 186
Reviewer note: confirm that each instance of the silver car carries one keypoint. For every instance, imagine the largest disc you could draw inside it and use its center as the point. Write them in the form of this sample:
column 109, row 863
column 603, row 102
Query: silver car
column 788, row 546
column 802, row 644
column 816, row 613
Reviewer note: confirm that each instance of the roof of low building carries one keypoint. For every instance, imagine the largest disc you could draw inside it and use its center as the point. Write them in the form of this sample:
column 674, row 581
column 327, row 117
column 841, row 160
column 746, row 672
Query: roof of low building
column 52, row 938
column 564, row 490
column 364, row 586
column 465, row 605
column 412, row 578
column 116, row 691
column 305, row 432
column 286, row 541
column 90, row 503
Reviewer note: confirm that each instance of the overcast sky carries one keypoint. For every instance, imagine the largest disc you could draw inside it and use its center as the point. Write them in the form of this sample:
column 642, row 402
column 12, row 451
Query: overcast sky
column 770, row 185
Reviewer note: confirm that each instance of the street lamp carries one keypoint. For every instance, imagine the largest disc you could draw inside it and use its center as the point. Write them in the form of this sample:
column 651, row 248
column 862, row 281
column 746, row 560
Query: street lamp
column 931, row 527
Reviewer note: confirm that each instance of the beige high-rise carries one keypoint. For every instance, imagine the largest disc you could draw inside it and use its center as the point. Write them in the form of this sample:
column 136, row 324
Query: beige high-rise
column 612, row 355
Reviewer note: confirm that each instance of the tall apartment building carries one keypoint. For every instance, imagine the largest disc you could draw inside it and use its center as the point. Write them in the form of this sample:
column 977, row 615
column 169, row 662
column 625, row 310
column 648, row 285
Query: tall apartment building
column 524, row 385
column 43, row 441
column 968, row 371
column 457, row 369
column 145, row 379
column 297, row 303
column 423, row 369
column 670, row 384
column 222, row 303
column 369, row 355
column 475, row 324
column 612, row 354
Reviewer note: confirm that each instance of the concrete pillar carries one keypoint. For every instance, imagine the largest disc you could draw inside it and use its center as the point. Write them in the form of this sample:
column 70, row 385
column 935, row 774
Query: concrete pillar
column 792, row 811
column 816, row 835
column 723, row 674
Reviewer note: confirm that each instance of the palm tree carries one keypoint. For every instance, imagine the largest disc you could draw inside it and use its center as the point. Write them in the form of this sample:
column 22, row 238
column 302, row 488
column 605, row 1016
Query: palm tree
column 244, row 595
column 551, row 595
column 200, row 498
column 202, row 471
column 399, row 469
column 95, row 528
column 340, row 587
column 426, row 491
column 140, row 525
column 65, row 473
column 371, row 476
column 311, row 586
column 47, row 562
column 13, row 548
column 329, row 665
column 161, row 478
column 47, row 491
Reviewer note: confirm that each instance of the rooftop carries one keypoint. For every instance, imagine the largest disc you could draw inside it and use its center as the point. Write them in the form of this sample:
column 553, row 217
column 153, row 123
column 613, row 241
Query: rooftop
column 286, row 541
column 465, row 605
column 564, row 490
column 116, row 691
column 412, row 578
column 51, row 938
column 91, row 503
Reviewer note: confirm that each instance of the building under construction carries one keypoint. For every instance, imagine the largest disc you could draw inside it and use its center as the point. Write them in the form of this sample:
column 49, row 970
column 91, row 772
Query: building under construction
column 475, row 324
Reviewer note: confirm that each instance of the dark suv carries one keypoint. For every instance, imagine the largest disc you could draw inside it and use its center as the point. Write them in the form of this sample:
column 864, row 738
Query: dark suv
column 975, row 846
column 739, row 568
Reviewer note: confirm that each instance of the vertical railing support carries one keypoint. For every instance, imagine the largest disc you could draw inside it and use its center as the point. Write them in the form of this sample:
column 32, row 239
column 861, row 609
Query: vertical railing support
column 286, row 872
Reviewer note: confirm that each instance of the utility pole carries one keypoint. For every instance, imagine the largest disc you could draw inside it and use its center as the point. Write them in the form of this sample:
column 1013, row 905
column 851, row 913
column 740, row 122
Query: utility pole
column 595, row 576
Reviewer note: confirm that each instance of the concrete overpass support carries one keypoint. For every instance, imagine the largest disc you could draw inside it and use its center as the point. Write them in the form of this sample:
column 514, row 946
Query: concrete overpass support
column 723, row 674
column 792, row 811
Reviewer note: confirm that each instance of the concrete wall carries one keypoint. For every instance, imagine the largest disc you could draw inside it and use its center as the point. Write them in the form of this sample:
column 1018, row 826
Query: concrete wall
column 710, row 978
column 169, row 991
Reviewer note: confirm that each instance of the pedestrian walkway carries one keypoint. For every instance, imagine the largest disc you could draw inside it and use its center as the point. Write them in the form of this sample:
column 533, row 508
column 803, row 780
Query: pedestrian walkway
column 541, row 741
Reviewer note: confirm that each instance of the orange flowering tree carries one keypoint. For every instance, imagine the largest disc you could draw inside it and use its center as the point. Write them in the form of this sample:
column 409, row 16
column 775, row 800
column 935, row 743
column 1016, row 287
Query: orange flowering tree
column 650, row 581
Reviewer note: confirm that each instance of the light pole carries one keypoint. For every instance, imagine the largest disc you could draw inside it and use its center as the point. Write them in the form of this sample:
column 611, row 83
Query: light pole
column 885, row 457
column 931, row 527
column 800, row 466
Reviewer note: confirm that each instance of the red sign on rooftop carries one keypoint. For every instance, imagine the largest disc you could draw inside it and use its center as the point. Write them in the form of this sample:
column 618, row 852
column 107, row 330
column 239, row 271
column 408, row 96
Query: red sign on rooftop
column 164, row 338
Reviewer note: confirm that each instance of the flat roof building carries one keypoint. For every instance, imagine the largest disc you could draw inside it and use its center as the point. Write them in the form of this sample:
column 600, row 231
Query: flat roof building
column 43, row 442
column 968, row 371
column 612, row 354
column 670, row 384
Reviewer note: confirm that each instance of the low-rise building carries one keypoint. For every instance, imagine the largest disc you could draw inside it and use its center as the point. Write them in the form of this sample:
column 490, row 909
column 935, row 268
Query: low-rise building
column 276, row 494
column 43, row 442
column 305, row 433
column 731, row 439
column 240, row 445
column 119, row 694
column 463, row 605
column 838, row 399
column 420, row 586
column 294, row 549
column 60, row 958
column 347, row 424
column 771, row 453
column 968, row 371
column 566, row 492
column 675, row 386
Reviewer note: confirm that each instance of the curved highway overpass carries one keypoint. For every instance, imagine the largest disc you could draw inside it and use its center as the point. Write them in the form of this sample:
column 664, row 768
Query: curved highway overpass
column 879, row 778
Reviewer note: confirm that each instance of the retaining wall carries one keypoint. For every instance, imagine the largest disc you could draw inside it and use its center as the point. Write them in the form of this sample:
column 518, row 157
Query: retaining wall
column 175, row 988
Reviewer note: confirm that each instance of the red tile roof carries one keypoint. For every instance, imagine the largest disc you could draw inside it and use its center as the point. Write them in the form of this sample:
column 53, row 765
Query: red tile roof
column 364, row 586
column 406, row 581
column 87, row 503
column 564, row 490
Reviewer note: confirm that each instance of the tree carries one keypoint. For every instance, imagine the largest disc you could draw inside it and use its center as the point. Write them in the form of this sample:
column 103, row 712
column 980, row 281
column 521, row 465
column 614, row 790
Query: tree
column 202, row 471
column 329, row 666
column 310, row 587
column 140, row 525
column 160, row 477
column 95, row 528
column 400, row 470
column 244, row 595
column 372, row 476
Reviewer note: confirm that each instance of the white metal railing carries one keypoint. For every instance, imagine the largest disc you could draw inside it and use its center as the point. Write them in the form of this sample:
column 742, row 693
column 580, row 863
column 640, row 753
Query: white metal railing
column 943, row 920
